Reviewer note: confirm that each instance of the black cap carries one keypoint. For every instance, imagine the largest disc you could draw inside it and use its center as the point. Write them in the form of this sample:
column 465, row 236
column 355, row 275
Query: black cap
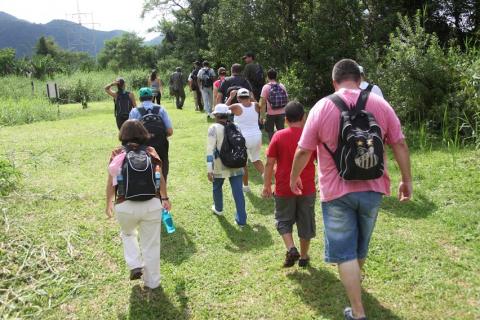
column 249, row 55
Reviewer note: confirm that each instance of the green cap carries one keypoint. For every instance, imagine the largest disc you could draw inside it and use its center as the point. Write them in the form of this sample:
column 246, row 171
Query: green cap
column 145, row 92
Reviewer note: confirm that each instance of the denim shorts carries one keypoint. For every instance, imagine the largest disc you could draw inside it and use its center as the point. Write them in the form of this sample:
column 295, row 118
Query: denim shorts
column 349, row 222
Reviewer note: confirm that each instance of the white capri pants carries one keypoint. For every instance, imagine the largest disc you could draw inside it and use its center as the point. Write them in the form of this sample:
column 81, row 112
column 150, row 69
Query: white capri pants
column 146, row 216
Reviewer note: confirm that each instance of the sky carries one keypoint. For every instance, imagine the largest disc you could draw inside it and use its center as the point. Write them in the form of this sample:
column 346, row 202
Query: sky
column 109, row 14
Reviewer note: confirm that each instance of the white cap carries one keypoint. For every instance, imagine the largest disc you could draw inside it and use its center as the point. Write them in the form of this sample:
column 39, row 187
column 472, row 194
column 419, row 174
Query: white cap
column 221, row 109
column 361, row 69
column 243, row 93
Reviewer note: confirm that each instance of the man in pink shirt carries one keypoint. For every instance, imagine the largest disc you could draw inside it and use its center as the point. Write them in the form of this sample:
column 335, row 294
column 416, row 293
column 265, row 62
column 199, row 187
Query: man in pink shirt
column 349, row 207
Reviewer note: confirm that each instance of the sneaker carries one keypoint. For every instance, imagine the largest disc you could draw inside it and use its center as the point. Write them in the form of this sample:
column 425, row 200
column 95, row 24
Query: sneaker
column 246, row 189
column 218, row 213
column 136, row 273
column 240, row 225
column 348, row 313
column 304, row 262
column 291, row 257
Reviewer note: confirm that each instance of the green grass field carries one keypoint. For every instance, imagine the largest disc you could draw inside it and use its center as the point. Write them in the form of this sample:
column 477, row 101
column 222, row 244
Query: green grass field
column 60, row 258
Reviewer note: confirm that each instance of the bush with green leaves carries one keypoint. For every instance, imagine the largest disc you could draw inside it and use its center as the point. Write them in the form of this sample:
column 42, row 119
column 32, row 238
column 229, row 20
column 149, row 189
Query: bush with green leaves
column 9, row 176
column 416, row 73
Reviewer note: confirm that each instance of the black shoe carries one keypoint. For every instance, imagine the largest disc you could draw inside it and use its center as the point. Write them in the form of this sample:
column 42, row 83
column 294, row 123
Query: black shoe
column 304, row 262
column 349, row 315
column 136, row 273
column 291, row 257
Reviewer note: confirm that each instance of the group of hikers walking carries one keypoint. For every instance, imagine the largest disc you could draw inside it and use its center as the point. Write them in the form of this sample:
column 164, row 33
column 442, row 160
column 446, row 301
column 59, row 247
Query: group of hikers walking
column 344, row 135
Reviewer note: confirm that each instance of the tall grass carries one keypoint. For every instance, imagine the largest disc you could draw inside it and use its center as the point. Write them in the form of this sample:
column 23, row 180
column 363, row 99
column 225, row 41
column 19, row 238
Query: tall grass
column 26, row 110
column 71, row 87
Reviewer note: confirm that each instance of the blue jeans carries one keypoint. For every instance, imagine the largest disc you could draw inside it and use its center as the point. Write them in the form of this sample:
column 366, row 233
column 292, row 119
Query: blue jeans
column 349, row 222
column 207, row 96
column 237, row 192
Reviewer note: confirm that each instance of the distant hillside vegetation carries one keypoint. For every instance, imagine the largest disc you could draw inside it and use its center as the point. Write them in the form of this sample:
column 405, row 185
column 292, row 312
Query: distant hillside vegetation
column 22, row 35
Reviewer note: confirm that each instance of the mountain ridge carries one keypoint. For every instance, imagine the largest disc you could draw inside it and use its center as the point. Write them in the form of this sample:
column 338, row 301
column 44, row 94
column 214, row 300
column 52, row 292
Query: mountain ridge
column 22, row 35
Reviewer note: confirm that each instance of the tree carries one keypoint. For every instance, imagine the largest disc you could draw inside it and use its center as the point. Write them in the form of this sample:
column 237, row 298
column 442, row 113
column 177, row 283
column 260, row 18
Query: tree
column 125, row 52
column 7, row 61
column 182, row 26
column 46, row 46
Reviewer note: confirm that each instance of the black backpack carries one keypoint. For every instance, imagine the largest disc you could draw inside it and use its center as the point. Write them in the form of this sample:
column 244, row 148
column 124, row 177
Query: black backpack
column 153, row 122
column 259, row 80
column 233, row 151
column 207, row 78
column 123, row 104
column 194, row 77
column 139, row 175
column 359, row 154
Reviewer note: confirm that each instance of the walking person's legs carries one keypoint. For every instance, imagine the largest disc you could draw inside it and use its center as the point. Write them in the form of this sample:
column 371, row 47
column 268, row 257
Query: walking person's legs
column 218, row 194
column 284, row 220
column 254, row 146
column 150, row 228
column 305, row 219
column 279, row 121
column 349, row 222
column 128, row 220
column 199, row 99
column 237, row 193
column 181, row 98
column 269, row 124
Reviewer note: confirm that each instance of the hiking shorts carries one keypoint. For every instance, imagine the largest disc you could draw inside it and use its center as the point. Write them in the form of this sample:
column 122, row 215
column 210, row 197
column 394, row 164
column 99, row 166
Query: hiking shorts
column 254, row 146
column 299, row 210
column 349, row 222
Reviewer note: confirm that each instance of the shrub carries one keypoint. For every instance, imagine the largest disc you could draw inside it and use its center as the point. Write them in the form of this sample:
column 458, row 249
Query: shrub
column 418, row 74
column 9, row 176
column 136, row 79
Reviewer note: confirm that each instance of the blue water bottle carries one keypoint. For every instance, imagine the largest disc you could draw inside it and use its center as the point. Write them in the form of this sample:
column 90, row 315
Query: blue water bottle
column 120, row 185
column 168, row 221
column 157, row 177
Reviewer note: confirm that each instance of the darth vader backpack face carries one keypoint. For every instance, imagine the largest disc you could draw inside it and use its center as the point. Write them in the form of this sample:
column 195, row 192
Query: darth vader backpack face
column 359, row 153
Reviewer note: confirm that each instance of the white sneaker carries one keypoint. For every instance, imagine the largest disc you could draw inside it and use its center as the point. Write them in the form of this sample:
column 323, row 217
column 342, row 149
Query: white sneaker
column 246, row 189
column 218, row 213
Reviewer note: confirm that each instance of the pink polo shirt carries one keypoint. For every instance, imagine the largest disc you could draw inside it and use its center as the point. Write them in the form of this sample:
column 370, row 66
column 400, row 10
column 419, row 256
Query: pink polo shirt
column 322, row 126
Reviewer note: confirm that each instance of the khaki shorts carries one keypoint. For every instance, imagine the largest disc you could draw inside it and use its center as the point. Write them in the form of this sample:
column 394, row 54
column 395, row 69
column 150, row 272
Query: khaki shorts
column 299, row 210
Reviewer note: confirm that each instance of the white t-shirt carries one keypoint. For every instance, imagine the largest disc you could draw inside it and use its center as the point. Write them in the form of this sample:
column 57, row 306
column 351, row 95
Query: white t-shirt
column 375, row 88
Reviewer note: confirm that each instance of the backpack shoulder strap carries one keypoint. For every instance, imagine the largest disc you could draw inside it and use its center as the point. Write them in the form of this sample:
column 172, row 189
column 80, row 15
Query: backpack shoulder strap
column 369, row 87
column 156, row 110
column 142, row 111
column 339, row 103
column 362, row 100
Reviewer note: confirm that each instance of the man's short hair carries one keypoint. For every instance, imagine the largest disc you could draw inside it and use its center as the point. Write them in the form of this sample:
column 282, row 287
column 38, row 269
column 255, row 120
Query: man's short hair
column 197, row 63
column 272, row 74
column 294, row 111
column 206, row 63
column 346, row 69
column 249, row 55
column 236, row 68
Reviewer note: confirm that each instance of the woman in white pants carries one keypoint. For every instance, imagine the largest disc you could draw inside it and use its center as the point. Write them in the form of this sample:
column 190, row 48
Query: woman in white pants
column 246, row 117
column 144, row 215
